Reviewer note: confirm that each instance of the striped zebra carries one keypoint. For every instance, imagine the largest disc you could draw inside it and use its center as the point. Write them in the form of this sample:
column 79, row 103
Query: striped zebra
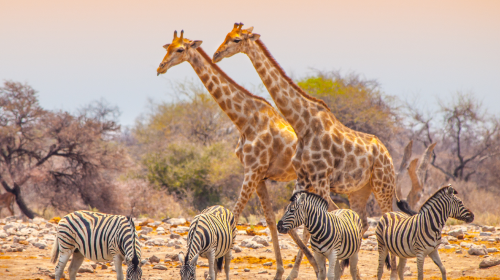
column 98, row 237
column 335, row 235
column 418, row 235
column 211, row 235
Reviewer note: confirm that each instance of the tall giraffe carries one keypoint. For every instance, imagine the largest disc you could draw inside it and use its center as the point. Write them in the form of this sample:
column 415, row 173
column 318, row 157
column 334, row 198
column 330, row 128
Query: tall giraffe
column 267, row 142
column 329, row 155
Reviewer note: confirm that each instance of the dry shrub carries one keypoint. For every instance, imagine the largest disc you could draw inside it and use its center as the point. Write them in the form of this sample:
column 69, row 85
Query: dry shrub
column 142, row 199
column 483, row 203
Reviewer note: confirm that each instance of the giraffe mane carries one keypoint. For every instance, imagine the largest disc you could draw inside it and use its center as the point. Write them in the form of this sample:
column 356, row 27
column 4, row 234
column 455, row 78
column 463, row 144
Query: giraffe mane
column 438, row 192
column 231, row 81
column 288, row 79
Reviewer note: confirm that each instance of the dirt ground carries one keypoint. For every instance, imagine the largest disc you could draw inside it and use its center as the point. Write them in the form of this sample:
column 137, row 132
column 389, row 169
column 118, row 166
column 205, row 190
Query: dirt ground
column 31, row 263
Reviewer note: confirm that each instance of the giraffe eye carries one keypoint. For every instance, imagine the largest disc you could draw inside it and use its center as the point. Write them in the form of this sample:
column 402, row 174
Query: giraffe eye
column 237, row 40
column 180, row 50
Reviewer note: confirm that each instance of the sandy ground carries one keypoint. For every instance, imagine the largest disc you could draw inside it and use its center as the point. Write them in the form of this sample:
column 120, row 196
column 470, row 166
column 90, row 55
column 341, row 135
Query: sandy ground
column 30, row 264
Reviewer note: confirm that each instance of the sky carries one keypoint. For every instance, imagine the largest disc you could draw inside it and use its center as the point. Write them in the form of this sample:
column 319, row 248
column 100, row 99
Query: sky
column 76, row 52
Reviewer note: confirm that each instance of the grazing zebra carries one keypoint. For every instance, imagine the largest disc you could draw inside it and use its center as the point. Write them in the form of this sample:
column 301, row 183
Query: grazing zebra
column 98, row 237
column 335, row 235
column 211, row 235
column 419, row 235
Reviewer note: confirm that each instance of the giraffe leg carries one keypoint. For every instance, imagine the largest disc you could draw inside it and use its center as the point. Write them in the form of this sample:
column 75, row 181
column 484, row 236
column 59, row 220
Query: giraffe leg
column 271, row 223
column 358, row 200
column 302, row 250
column 246, row 192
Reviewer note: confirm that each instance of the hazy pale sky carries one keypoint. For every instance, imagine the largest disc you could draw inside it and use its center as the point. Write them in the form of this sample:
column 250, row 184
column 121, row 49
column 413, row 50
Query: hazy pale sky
column 74, row 52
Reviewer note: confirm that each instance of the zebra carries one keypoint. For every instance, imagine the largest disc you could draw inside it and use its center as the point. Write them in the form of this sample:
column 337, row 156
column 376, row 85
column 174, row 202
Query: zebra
column 211, row 235
column 98, row 237
column 335, row 235
column 419, row 235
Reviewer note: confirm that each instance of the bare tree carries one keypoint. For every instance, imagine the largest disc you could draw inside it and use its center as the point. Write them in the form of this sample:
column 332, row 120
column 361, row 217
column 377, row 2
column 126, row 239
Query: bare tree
column 466, row 131
column 58, row 153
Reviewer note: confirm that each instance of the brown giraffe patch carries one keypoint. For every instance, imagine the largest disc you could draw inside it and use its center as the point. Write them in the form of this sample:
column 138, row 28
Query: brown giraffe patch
column 347, row 146
column 217, row 93
column 350, row 162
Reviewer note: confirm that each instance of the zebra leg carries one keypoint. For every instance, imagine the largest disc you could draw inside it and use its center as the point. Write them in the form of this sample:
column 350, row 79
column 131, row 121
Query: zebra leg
column 271, row 223
column 212, row 271
column 353, row 262
column 75, row 264
column 394, row 271
column 64, row 256
column 227, row 262
column 321, row 261
column 420, row 265
column 383, row 252
column 434, row 255
column 401, row 267
column 333, row 266
column 118, row 259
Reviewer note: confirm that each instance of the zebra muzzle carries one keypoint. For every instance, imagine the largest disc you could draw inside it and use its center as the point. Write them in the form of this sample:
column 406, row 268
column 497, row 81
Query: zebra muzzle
column 282, row 229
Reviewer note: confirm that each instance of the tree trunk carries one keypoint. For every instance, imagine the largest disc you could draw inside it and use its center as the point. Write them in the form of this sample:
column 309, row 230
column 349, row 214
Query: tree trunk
column 19, row 200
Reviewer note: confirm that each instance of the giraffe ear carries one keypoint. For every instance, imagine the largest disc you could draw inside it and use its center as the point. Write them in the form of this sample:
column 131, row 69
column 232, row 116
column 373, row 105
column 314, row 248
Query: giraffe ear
column 249, row 30
column 166, row 46
column 195, row 44
column 254, row 36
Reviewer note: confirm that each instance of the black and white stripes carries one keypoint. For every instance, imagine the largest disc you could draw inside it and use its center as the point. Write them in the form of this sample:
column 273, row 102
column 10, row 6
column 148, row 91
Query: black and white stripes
column 211, row 235
column 419, row 235
column 334, row 235
column 98, row 237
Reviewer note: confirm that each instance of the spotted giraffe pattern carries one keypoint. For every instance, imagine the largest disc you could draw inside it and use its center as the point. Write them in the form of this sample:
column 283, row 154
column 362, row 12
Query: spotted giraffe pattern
column 267, row 142
column 329, row 155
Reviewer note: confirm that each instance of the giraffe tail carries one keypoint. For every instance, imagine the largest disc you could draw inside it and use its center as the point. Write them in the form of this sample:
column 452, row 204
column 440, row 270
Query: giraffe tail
column 405, row 207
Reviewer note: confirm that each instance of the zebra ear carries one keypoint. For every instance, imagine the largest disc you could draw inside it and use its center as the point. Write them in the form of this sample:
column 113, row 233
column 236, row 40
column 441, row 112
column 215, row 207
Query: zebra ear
column 301, row 198
column 451, row 191
column 181, row 257
column 194, row 261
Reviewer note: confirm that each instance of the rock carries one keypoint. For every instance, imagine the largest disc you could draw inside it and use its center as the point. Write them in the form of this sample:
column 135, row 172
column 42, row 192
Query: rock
column 368, row 233
column 38, row 220
column 246, row 270
column 49, row 237
column 451, row 238
column 241, row 232
column 236, row 249
column 158, row 241
column 176, row 222
column 266, row 231
column 455, row 232
column 466, row 244
column 174, row 236
column 145, row 222
column 104, row 266
column 86, row 269
column 3, row 234
column 488, row 228
column 181, row 229
column 267, row 264
column 160, row 267
column 173, row 242
column 154, row 259
column 94, row 265
column 260, row 240
column 489, row 262
column 174, row 257
column 160, row 230
column 458, row 251
column 262, row 222
column 262, row 272
column 249, row 243
column 290, row 265
column 477, row 250
column 40, row 245
column 492, row 250
column 485, row 234
column 8, row 226
column 449, row 247
column 146, row 230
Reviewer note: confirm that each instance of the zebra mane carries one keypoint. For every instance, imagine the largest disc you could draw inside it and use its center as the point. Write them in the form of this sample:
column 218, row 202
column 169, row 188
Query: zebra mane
column 191, row 243
column 135, row 259
column 296, row 195
column 436, row 194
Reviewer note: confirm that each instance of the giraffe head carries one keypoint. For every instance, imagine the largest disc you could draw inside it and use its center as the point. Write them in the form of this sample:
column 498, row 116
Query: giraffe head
column 236, row 41
column 180, row 50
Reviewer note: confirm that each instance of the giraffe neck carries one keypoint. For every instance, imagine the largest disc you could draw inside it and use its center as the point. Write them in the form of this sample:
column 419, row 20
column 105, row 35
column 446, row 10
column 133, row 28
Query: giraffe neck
column 233, row 99
column 295, row 105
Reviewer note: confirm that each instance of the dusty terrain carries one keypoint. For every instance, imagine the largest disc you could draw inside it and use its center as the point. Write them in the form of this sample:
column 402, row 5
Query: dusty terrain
column 34, row 260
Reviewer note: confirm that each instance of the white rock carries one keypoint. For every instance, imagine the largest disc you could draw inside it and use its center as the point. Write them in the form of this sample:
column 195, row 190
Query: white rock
column 242, row 232
column 478, row 250
column 485, row 234
column 266, row 231
column 38, row 220
column 49, row 237
column 181, row 229
column 146, row 230
column 456, row 232
column 260, row 240
column 465, row 244
column 176, row 221
column 492, row 250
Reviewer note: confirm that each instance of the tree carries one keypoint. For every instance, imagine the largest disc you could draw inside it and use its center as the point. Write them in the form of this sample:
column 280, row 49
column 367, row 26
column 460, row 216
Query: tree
column 357, row 103
column 467, row 134
column 56, row 153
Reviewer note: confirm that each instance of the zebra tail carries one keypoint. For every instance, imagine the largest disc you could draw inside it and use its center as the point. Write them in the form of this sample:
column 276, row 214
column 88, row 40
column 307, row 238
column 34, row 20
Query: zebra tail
column 388, row 262
column 344, row 264
column 405, row 207
column 55, row 251
column 219, row 264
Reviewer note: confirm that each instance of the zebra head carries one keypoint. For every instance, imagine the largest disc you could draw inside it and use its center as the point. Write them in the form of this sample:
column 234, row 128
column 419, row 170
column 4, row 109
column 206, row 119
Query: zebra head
column 294, row 213
column 457, row 208
column 133, row 255
column 188, row 268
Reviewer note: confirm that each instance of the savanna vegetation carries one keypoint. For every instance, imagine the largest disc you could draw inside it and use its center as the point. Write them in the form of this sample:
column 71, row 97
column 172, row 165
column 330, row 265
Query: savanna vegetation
column 178, row 157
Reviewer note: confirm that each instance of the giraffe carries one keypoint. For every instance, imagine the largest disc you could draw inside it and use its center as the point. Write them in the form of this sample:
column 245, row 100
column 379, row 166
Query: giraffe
column 329, row 155
column 267, row 142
